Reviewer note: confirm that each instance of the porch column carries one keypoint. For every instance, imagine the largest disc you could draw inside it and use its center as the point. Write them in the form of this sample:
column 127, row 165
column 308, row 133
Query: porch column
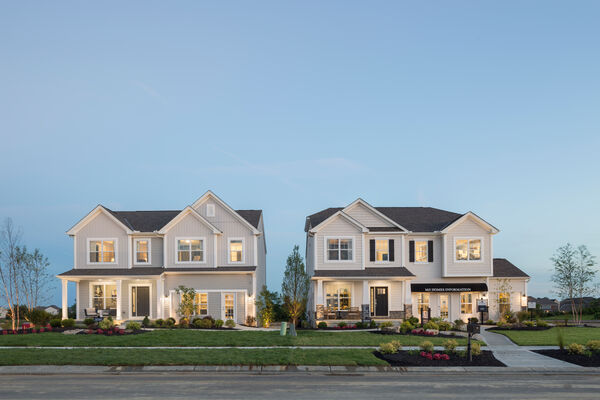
column 160, row 295
column 119, row 281
column 366, row 301
column 407, row 299
column 320, row 291
column 65, row 306
column 77, row 303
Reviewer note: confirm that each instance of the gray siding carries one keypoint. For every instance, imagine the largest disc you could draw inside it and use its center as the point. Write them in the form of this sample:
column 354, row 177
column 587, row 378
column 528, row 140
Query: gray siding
column 210, row 282
column 214, row 305
column 337, row 228
column 156, row 252
column 469, row 229
column 189, row 226
column 101, row 227
column 426, row 272
column 261, row 268
column 367, row 217
column 84, row 298
column 240, row 308
column 397, row 250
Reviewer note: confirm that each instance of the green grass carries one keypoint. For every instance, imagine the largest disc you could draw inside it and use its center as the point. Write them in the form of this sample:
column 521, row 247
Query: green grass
column 569, row 316
column 549, row 337
column 185, row 338
column 189, row 357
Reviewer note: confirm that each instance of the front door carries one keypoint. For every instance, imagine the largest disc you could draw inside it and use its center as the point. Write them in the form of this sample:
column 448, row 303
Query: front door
column 380, row 297
column 444, row 306
column 140, row 301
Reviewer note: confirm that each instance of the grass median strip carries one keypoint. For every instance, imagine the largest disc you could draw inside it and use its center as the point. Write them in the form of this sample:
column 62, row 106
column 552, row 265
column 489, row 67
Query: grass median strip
column 186, row 338
column 355, row 357
column 550, row 337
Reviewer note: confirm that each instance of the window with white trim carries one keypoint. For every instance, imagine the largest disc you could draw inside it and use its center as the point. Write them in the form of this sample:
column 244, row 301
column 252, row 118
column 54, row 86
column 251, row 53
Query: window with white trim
column 466, row 303
column 421, row 251
column 201, row 303
column 339, row 249
column 338, row 298
column 210, row 210
column 382, row 250
column 422, row 302
column 468, row 250
column 236, row 250
column 190, row 250
column 104, row 297
column 142, row 251
column 102, row 251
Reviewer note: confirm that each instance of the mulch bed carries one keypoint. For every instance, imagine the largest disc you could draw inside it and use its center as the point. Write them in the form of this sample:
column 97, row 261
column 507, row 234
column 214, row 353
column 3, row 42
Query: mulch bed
column 449, row 336
column 31, row 331
column 592, row 360
column 414, row 359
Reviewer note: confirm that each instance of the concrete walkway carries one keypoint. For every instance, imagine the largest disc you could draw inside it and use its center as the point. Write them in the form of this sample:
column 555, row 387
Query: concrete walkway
column 516, row 356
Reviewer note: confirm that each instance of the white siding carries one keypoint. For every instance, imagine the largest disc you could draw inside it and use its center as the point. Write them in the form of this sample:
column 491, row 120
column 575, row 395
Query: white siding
column 101, row 226
column 189, row 226
column 367, row 217
column 427, row 272
column 337, row 228
column 469, row 229
column 397, row 250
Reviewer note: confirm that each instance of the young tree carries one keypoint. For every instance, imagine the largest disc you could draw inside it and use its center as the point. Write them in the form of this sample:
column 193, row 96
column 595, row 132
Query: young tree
column 294, row 288
column 11, row 268
column 35, row 277
column 573, row 276
column 265, row 304
column 186, row 304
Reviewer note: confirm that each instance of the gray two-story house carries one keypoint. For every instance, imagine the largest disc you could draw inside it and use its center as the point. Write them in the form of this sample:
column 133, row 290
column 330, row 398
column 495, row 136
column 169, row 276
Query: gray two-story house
column 395, row 262
column 130, row 263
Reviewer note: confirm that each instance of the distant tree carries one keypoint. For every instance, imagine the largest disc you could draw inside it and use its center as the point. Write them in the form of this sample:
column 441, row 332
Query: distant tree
column 574, row 273
column 11, row 268
column 294, row 288
column 186, row 304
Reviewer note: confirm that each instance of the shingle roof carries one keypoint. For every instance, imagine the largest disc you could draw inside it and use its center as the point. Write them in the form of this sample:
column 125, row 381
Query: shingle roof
column 150, row 221
column 415, row 219
column 505, row 269
column 143, row 271
column 367, row 272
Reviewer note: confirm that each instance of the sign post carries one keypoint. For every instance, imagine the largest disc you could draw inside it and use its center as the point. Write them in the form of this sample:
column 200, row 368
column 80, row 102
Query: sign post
column 482, row 307
column 471, row 329
column 531, row 306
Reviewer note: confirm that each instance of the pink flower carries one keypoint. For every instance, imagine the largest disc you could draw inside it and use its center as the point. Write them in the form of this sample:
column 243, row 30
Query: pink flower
column 437, row 356
column 445, row 357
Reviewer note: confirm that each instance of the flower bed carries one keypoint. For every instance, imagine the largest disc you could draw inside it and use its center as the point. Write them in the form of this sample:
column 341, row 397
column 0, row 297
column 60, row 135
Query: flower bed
column 585, row 360
column 416, row 358
column 114, row 331
column 418, row 332
column 31, row 330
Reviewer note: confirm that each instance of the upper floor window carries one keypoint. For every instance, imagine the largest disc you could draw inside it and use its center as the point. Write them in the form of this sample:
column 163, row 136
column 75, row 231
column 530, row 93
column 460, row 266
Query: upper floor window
column 421, row 251
column 210, row 210
column 102, row 251
column 236, row 250
column 142, row 251
column 382, row 250
column 468, row 250
column 339, row 249
column 190, row 250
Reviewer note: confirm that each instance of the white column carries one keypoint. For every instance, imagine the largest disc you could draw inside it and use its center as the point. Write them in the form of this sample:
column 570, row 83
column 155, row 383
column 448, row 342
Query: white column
column 160, row 295
column 320, row 291
column 365, row 293
column 65, row 306
column 407, row 292
column 119, row 292
column 77, row 306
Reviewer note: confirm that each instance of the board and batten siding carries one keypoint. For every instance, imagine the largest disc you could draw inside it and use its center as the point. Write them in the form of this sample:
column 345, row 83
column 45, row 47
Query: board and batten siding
column 469, row 229
column 367, row 217
column 339, row 227
column 156, row 252
column 189, row 227
column 101, row 227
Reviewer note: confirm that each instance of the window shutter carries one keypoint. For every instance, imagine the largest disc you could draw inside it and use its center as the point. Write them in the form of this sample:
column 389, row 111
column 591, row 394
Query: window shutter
column 391, row 249
column 430, row 251
column 411, row 251
column 372, row 249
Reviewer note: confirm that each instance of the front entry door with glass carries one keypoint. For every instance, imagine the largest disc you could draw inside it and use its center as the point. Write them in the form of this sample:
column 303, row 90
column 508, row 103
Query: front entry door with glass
column 379, row 301
column 140, row 301
column 444, row 306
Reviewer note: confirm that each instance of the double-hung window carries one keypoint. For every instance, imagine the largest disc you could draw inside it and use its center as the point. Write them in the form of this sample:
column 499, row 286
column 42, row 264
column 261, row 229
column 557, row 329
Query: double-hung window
column 466, row 303
column 201, row 303
column 236, row 250
column 102, row 251
column 190, row 250
column 468, row 250
column 104, row 297
column 382, row 250
column 421, row 251
column 142, row 251
column 339, row 249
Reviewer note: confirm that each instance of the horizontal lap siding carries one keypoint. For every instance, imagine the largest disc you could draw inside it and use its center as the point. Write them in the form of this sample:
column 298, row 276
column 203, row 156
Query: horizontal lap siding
column 84, row 298
column 469, row 229
column 426, row 272
column 338, row 228
column 156, row 252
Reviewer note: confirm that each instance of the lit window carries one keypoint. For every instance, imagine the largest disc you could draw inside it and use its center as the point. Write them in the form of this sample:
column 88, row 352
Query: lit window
column 338, row 298
column 190, row 250
column 142, row 251
column 504, row 302
column 104, row 297
column 382, row 252
column 229, row 306
column 422, row 302
column 421, row 252
column 236, row 250
column 201, row 303
column 339, row 249
column 102, row 251
column 468, row 249
column 466, row 303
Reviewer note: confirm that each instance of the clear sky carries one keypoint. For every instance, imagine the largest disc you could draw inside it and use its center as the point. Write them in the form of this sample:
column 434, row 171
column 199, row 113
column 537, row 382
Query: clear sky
column 293, row 107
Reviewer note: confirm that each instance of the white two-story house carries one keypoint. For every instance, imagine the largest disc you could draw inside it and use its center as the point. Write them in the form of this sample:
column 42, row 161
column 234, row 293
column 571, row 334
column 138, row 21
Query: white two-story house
column 370, row 262
column 131, row 262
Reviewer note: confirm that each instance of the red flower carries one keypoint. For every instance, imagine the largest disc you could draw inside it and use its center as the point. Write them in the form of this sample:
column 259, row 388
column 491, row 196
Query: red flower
column 100, row 331
column 436, row 356
column 422, row 354
column 445, row 357
column 429, row 356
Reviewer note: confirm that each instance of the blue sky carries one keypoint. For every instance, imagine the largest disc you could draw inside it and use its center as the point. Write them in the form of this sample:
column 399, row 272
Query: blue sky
column 293, row 107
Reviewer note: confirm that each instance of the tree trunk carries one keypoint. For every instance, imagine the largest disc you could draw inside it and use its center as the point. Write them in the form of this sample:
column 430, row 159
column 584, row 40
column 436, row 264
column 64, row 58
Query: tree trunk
column 293, row 328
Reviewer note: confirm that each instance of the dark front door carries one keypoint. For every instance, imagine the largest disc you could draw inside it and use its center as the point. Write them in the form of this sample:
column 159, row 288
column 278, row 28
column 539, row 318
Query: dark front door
column 140, row 297
column 381, row 301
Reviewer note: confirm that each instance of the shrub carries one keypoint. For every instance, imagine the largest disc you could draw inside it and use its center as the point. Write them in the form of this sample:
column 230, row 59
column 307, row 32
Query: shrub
column 593, row 346
column 372, row 324
column 458, row 324
column 509, row 317
column 522, row 315
column 560, row 338
column 134, row 326
column 450, row 345
column 219, row 323
column 475, row 349
column 230, row 323
column 68, row 323
column 444, row 325
column 159, row 322
column 105, row 324
column 203, row 323
column 540, row 323
column 322, row 325
column 406, row 327
column 575, row 348
column 55, row 323
column 250, row 320
column 431, row 325
column 386, row 324
column 413, row 320
column 473, row 320
column 490, row 322
column 39, row 317
column 387, row 348
column 88, row 321
column 529, row 324
column 397, row 345
column 501, row 324
column 170, row 321
column 184, row 322
column 426, row 346
column 361, row 325
column 146, row 322
column 342, row 324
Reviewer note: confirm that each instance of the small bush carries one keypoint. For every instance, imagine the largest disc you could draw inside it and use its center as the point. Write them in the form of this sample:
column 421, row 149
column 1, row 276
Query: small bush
column 406, row 327
column 450, row 345
column 426, row 346
column 431, row 325
column 184, row 322
column 55, row 323
column 490, row 322
column 342, row 324
column 361, row 325
column 372, row 324
column 475, row 349
column 219, row 323
column 134, row 326
column 397, row 345
column 413, row 320
column 444, row 325
column 203, row 323
column 593, row 346
column 458, row 324
column 68, row 323
column 146, row 322
column 522, row 316
column 251, row 321
column 159, row 322
column 501, row 324
column 386, row 324
column 575, row 348
column 88, row 321
column 39, row 317
column 473, row 320
column 105, row 324
column 322, row 325
column 509, row 317
column 529, row 324
column 387, row 348
column 540, row 323
column 230, row 323
column 170, row 321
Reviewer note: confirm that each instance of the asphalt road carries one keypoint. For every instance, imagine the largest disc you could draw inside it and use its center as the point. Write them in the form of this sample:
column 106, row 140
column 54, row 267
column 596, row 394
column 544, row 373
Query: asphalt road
column 426, row 385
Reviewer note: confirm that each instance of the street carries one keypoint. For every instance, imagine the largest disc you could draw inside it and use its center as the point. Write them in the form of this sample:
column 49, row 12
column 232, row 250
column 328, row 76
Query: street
column 422, row 385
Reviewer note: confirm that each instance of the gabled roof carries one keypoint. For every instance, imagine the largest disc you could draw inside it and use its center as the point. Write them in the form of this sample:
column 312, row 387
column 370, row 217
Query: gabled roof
column 227, row 207
column 483, row 223
column 187, row 211
column 99, row 209
column 341, row 214
column 145, row 221
column 375, row 211
column 505, row 269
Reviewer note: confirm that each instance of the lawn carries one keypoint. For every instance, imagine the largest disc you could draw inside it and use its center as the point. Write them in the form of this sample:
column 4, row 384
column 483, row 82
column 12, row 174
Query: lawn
column 549, row 337
column 585, row 317
column 186, row 338
column 189, row 357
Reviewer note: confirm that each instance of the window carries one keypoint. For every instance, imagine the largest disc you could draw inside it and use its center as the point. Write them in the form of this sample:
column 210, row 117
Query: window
column 339, row 249
column 229, row 306
column 422, row 302
column 236, row 250
column 382, row 251
column 421, row 252
column 142, row 251
column 201, row 303
column 468, row 250
column 190, row 250
column 102, row 251
column 466, row 303
column 104, row 297
column 210, row 210
column 504, row 302
column 338, row 298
